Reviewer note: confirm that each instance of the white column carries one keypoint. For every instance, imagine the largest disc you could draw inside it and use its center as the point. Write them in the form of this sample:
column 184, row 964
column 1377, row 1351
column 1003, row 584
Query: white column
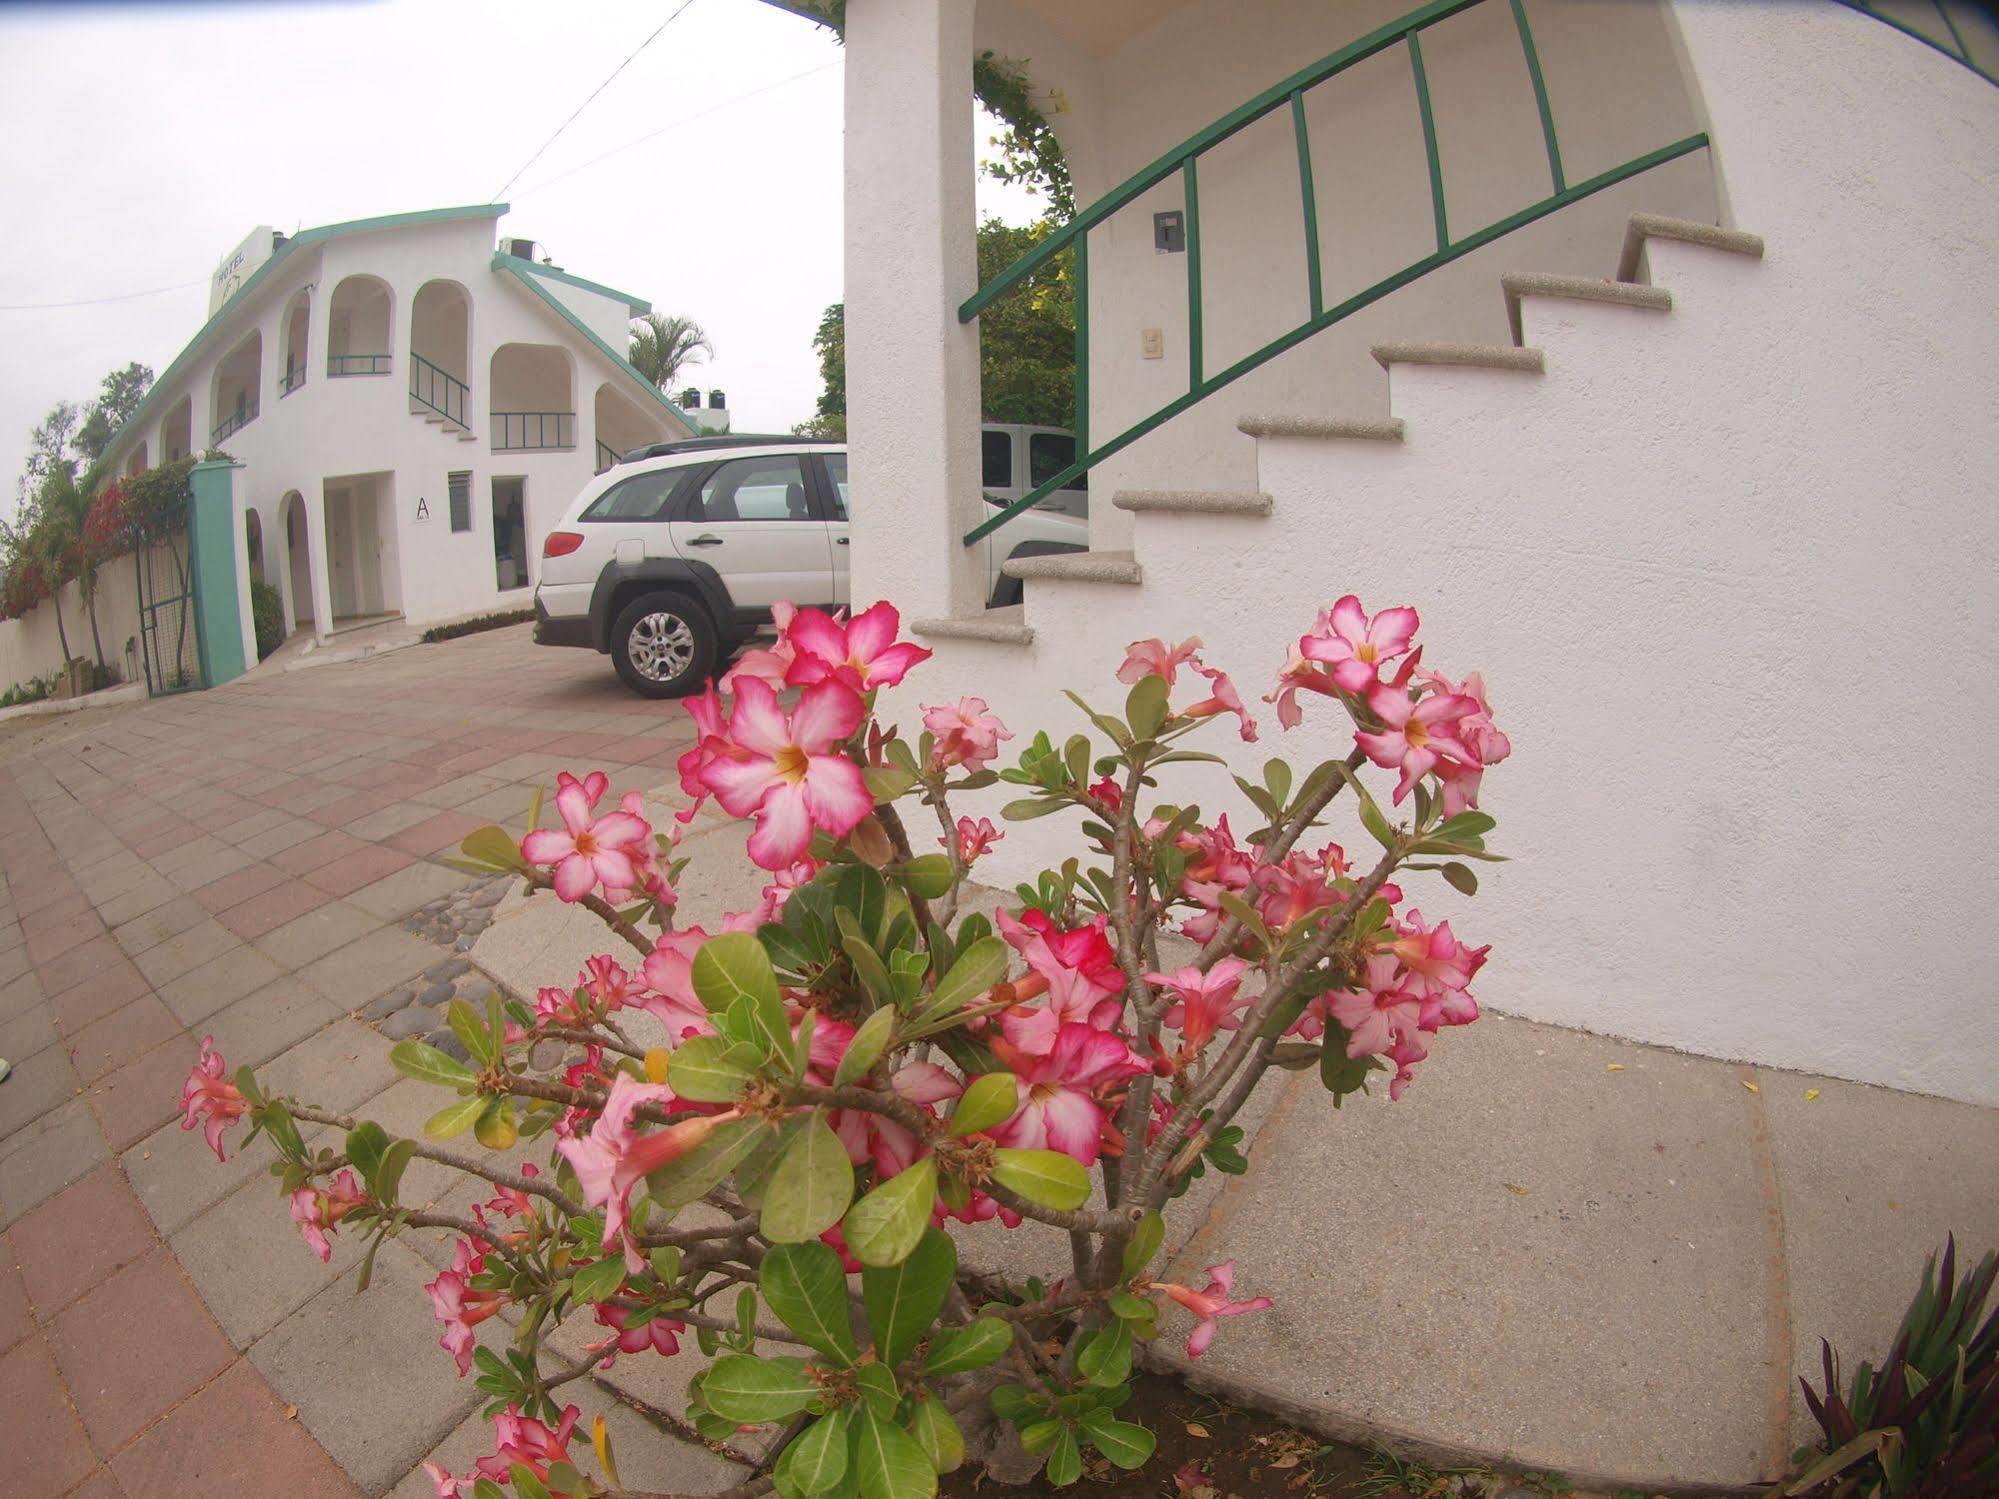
column 912, row 367
column 239, row 508
column 315, row 562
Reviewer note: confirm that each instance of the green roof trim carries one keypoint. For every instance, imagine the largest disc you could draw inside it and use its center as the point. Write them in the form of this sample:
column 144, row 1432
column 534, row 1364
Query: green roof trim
column 263, row 273
column 523, row 272
column 639, row 305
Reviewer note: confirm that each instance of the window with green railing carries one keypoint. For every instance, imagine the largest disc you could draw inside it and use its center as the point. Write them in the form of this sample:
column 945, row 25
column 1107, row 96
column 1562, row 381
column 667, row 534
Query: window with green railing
column 533, row 431
column 358, row 364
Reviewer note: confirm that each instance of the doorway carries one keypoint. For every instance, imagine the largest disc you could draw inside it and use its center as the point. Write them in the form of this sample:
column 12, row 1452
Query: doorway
column 510, row 533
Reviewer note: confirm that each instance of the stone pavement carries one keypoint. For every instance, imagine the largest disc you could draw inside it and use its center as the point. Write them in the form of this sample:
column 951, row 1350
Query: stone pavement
column 1561, row 1250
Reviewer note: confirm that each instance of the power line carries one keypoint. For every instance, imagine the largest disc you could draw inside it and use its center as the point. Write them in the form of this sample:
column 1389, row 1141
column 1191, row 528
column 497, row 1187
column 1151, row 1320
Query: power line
column 502, row 192
column 699, row 114
column 130, row 296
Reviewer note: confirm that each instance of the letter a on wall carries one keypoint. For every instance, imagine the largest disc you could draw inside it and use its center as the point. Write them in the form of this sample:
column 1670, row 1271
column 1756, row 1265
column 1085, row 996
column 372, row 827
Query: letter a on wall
column 422, row 508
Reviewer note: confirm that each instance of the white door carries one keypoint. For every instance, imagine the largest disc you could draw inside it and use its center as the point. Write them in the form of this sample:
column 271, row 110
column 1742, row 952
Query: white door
column 836, row 475
column 754, row 522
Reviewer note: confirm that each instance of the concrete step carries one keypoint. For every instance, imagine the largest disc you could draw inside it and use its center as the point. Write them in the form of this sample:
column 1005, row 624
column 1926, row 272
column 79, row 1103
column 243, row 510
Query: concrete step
column 1077, row 567
column 1518, row 284
column 1644, row 226
column 1007, row 626
column 1192, row 502
column 1365, row 428
column 1461, row 356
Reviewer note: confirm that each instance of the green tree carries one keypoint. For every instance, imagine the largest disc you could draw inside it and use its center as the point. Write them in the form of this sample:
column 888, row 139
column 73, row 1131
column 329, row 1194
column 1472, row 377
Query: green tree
column 118, row 396
column 829, row 420
column 661, row 345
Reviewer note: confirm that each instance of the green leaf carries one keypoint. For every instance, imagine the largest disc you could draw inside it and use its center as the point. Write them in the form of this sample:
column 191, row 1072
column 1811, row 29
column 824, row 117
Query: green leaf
column 495, row 848
column 703, row 1069
column 1143, row 1244
column 884, row 1226
column 864, row 895
column 1340, row 1073
column 903, row 1300
column 595, row 1282
column 470, row 1031
column 1046, row 1178
column 1145, row 707
column 1125, row 1443
column 878, row 1389
column 869, row 969
column 991, row 1099
column 885, row 783
column 743, row 1387
column 485, row 1488
column 927, row 875
column 427, row 1064
column 888, row 1460
column 455, row 1118
column 816, row 1460
column 526, row 1485
column 870, row 1041
column 389, row 1175
column 367, row 1142
column 1460, row 878
column 1030, row 807
column 495, row 1128
column 811, row 1187
column 1065, row 1459
column 957, row 1349
column 702, row 1169
column 936, row 1433
column 980, row 965
column 1277, row 776
column 732, row 967
column 367, row 1273
column 1105, row 1359
column 806, row 1288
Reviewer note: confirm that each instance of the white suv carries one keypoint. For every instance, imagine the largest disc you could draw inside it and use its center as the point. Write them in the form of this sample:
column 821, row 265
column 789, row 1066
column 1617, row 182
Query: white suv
column 670, row 560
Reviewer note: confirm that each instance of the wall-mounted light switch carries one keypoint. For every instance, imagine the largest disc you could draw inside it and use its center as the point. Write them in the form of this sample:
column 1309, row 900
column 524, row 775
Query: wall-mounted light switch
column 1152, row 343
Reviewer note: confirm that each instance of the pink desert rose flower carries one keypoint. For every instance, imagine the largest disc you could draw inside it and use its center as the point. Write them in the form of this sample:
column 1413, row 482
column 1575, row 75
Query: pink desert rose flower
column 1155, row 658
column 1204, row 1003
column 1477, row 733
column 770, row 664
column 863, row 653
column 870, row 1137
column 210, row 1099
column 1223, row 698
column 1075, row 967
column 524, row 1440
column 967, row 733
column 786, row 771
column 660, row 1335
column 711, row 730
column 614, row 1157
column 668, row 976
column 1355, row 645
column 973, row 839
column 1210, row 1302
column 1060, row 1092
column 1414, row 735
column 316, row 1211
column 587, row 852
column 455, row 1303
column 1379, row 1013
column 1441, row 969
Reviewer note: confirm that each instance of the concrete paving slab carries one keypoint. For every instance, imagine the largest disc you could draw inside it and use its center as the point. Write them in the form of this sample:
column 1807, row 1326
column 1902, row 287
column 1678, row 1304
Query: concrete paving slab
column 354, row 974
column 270, row 1020
column 159, row 924
column 218, row 983
column 26, row 1033
column 38, row 1085
column 246, row 1258
column 180, row 953
column 335, row 1068
column 315, row 934
column 60, row 1147
column 396, row 895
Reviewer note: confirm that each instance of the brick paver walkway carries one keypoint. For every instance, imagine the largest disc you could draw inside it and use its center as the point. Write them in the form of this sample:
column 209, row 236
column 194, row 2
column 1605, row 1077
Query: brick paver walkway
column 238, row 862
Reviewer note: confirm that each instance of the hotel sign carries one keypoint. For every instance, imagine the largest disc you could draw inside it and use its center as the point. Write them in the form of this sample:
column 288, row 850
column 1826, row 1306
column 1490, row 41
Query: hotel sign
column 239, row 265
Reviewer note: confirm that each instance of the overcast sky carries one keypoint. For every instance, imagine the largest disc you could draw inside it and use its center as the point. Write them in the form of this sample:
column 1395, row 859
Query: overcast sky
column 143, row 142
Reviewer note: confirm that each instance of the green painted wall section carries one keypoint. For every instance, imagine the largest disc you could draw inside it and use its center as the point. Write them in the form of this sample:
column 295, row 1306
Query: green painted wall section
column 212, row 564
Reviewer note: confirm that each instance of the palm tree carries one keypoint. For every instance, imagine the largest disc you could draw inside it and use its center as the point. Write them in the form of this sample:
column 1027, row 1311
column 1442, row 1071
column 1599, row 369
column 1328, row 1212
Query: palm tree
column 662, row 344
column 68, row 505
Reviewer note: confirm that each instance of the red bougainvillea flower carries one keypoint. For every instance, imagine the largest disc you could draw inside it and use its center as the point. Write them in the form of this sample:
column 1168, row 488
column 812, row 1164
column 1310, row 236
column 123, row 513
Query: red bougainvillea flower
column 455, row 1303
column 316, row 1211
column 973, row 839
column 614, row 1157
column 1060, row 1092
column 210, row 1099
column 1355, row 645
column 668, row 974
column 1204, row 1003
column 1381, row 1011
column 1414, row 735
column 661, row 1334
column 862, row 653
column 1155, row 658
column 786, row 772
column 524, row 1440
column 587, row 852
column 1210, row 1302
column 967, row 734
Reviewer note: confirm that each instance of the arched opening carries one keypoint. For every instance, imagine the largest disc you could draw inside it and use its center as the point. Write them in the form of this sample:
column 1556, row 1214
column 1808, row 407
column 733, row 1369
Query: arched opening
column 297, row 576
column 297, row 327
column 136, row 464
column 358, row 327
column 177, row 431
column 441, row 350
column 238, row 379
column 620, row 427
column 253, row 532
column 533, row 406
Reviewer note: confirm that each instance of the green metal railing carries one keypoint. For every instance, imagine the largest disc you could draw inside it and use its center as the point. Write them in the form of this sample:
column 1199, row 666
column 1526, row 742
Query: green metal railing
column 607, row 456
column 533, row 431
column 359, row 364
column 1954, row 49
column 234, row 422
column 439, row 389
column 1182, row 161
column 291, row 380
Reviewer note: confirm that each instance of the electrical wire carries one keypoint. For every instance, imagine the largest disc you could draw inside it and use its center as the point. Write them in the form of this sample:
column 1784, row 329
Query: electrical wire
column 129, row 296
column 502, row 192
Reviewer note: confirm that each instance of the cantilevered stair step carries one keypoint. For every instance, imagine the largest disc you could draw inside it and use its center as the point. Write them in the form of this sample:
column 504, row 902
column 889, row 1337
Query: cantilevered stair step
column 1462, row 356
column 1518, row 284
column 1367, row 428
column 1007, row 626
column 1192, row 501
column 1077, row 567
column 1644, row 226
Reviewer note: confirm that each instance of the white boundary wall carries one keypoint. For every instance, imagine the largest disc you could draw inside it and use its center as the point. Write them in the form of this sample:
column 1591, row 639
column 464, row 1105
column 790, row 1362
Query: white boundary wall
column 31, row 647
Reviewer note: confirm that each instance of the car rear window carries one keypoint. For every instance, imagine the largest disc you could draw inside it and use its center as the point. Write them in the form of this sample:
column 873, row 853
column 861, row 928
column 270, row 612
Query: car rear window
column 996, row 459
column 754, row 489
column 640, row 497
column 1048, row 453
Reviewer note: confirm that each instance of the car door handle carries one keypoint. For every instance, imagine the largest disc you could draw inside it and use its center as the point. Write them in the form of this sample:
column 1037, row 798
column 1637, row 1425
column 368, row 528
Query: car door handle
column 839, row 541
column 706, row 541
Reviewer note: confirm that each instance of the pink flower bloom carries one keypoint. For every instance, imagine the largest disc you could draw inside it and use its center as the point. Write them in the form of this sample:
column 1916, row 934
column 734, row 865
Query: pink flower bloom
column 870, row 1137
column 786, row 772
column 1204, row 1002
column 615, row 1157
column 1155, row 658
column 1441, row 968
column 661, row 1334
column 1210, row 1302
column 1407, row 1051
column 1298, row 885
column 524, row 1440
column 770, row 664
column 588, row 852
column 1415, row 735
column 1354, row 645
column 455, row 1303
column 210, row 1099
column 967, row 734
column 1223, row 699
column 507, row 1202
column 448, row 1487
column 668, row 975
column 861, row 654
column 1076, row 968
column 711, row 729
column 973, row 839
column 1298, row 675
column 1477, row 733
column 1061, row 1092
column 315, row 1211
column 1214, row 866
column 1107, row 794
column 1379, row 1013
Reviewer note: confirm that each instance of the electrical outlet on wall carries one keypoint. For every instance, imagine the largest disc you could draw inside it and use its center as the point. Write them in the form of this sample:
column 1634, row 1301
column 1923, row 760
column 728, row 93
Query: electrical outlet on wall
column 1152, row 343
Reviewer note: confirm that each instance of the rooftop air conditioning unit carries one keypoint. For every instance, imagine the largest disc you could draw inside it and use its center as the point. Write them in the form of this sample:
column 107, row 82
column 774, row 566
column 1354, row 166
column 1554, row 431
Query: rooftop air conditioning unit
column 521, row 249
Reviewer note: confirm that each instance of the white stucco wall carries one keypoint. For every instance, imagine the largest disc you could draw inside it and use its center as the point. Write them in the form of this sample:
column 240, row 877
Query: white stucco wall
column 1728, row 570
column 31, row 646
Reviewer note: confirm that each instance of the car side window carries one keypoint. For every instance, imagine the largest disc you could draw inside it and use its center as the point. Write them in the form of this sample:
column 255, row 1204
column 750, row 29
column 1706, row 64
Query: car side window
column 754, row 489
column 641, row 497
column 1048, row 453
column 836, row 473
column 996, row 460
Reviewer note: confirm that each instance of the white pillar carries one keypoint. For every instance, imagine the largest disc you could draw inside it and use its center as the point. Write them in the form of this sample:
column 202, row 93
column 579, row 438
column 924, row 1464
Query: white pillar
column 239, row 507
column 912, row 367
column 315, row 562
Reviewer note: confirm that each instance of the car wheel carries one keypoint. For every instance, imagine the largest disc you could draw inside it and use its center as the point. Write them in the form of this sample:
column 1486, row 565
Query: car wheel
column 664, row 646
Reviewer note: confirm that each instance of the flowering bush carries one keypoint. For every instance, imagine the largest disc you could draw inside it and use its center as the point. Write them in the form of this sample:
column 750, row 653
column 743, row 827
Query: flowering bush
column 755, row 1138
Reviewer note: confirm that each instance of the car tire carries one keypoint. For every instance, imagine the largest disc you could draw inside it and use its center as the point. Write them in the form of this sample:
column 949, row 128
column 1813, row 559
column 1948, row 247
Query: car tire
column 663, row 645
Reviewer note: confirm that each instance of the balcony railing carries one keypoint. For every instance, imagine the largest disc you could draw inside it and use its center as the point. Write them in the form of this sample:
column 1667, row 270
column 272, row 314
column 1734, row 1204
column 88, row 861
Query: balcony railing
column 291, row 380
column 338, row 365
column 234, row 422
column 439, row 389
column 533, row 431
column 607, row 456
column 1954, row 48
